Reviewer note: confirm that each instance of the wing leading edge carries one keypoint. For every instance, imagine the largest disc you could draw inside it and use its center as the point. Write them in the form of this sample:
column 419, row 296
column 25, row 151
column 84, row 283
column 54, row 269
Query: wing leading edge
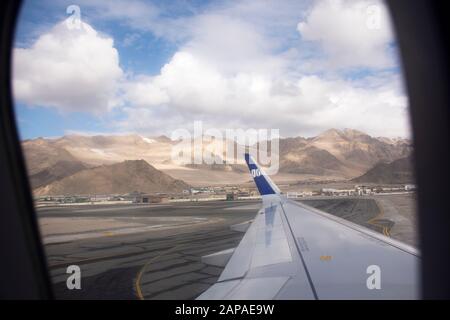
column 293, row 251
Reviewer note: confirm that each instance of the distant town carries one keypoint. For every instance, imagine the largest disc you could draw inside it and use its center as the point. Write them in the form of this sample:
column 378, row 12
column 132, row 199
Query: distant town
column 217, row 193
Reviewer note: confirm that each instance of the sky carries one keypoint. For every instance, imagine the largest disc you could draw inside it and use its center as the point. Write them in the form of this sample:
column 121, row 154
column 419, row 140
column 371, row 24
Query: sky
column 151, row 67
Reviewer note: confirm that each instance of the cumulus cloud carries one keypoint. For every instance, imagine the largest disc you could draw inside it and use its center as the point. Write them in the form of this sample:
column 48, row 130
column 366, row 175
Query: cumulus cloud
column 352, row 33
column 231, row 74
column 69, row 69
column 143, row 91
column 189, row 89
column 240, row 65
column 232, row 45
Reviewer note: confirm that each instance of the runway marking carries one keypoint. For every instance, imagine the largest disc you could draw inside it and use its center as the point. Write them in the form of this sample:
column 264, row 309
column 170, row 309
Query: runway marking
column 137, row 283
column 377, row 217
column 98, row 259
column 93, row 260
column 72, row 237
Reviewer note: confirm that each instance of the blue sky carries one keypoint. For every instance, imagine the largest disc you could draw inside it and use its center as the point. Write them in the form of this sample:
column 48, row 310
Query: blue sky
column 151, row 67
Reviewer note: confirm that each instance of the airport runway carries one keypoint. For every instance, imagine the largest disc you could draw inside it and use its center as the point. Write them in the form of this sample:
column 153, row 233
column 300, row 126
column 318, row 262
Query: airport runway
column 154, row 251
column 156, row 264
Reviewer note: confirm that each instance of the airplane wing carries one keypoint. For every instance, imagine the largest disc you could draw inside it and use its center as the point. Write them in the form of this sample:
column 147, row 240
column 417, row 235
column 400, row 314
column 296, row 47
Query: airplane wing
column 293, row 251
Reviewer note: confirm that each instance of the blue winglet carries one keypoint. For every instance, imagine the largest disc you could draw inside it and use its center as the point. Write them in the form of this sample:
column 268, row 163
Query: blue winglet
column 263, row 183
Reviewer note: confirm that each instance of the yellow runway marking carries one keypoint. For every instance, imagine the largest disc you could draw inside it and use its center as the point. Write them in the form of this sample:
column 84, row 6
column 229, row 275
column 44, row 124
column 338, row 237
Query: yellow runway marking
column 378, row 216
column 137, row 283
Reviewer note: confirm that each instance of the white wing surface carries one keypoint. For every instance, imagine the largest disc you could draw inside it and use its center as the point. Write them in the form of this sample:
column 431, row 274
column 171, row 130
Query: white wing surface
column 293, row 251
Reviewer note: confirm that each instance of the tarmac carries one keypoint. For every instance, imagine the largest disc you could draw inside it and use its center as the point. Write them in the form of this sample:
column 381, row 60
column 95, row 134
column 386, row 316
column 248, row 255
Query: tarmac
column 153, row 251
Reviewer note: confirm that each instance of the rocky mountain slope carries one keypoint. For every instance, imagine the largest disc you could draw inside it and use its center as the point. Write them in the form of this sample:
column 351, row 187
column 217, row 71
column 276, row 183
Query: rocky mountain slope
column 396, row 172
column 333, row 154
column 118, row 178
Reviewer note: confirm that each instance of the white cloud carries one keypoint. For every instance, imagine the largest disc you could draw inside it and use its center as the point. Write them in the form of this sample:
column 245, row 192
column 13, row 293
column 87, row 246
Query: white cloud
column 239, row 65
column 379, row 111
column 231, row 74
column 352, row 33
column 190, row 83
column 143, row 92
column 189, row 89
column 138, row 14
column 232, row 45
column 68, row 69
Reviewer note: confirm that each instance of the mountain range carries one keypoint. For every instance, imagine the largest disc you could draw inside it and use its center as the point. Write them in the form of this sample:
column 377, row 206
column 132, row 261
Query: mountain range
column 397, row 171
column 334, row 154
column 343, row 153
column 119, row 178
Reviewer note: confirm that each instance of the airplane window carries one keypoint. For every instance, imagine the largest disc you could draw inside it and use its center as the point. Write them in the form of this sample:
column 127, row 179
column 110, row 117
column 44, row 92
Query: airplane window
column 219, row 149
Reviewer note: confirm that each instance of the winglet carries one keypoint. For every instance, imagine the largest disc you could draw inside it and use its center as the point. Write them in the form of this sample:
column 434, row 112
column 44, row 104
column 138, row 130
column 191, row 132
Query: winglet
column 264, row 184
